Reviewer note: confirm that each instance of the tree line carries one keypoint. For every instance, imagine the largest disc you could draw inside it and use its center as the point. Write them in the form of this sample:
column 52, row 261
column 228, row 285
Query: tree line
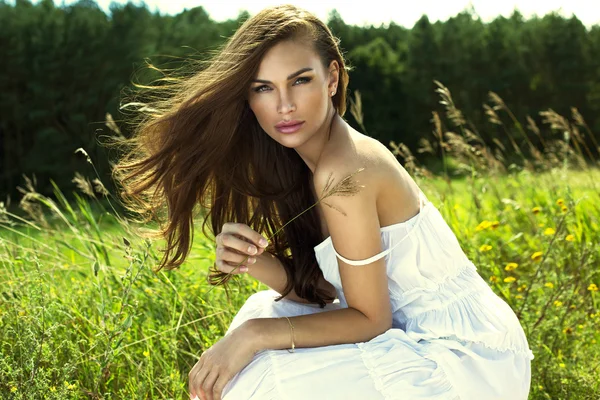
column 65, row 68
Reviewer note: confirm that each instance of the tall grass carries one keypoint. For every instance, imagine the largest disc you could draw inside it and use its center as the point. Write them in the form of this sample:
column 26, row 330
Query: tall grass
column 83, row 315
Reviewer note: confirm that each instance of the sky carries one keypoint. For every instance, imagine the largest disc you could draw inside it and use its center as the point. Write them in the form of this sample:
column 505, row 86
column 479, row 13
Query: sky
column 376, row 12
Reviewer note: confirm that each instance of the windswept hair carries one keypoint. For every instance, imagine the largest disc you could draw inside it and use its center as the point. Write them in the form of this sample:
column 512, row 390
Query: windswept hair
column 201, row 144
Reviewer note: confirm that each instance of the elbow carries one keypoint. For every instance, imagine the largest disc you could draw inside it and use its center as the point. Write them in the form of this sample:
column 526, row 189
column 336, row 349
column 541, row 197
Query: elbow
column 380, row 325
column 385, row 326
column 383, row 322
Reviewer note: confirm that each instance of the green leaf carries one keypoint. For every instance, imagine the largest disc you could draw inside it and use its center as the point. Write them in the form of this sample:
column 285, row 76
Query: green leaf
column 127, row 323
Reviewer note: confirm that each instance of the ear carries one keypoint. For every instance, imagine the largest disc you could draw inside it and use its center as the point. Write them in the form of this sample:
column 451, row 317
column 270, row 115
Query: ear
column 334, row 73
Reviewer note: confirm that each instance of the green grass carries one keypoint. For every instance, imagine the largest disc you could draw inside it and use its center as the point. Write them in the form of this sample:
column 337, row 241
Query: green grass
column 82, row 314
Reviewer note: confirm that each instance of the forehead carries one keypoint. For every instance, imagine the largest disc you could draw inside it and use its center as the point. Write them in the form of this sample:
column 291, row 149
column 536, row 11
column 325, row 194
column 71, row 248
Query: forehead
column 287, row 57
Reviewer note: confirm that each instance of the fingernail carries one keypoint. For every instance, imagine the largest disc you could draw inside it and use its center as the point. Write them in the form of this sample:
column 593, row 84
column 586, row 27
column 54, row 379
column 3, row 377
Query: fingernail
column 263, row 242
column 244, row 269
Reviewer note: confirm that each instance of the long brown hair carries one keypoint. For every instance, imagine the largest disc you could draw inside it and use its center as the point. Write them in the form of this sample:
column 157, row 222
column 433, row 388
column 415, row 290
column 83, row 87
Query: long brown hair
column 202, row 144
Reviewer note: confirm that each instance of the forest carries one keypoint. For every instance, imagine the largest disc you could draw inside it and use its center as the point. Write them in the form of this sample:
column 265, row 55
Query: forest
column 65, row 68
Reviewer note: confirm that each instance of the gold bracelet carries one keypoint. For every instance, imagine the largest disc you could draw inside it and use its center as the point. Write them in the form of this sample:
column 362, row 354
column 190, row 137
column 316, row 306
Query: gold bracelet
column 292, row 334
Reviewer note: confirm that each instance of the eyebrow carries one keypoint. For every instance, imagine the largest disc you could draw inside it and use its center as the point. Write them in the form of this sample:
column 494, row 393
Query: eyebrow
column 289, row 76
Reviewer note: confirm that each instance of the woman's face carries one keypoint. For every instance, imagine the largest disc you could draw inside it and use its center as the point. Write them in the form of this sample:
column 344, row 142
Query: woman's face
column 291, row 84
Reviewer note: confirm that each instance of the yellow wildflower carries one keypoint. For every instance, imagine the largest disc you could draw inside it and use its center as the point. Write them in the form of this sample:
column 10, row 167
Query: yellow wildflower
column 564, row 209
column 148, row 290
column 558, row 303
column 53, row 388
column 549, row 231
column 560, row 202
column 549, row 285
column 146, row 353
column 570, row 238
column 521, row 288
column 562, row 365
column 13, row 389
column 541, row 224
column 483, row 225
column 485, row 247
column 493, row 279
column 510, row 279
column 580, row 326
column 537, row 256
column 495, row 224
column 536, row 210
column 511, row 266
column 519, row 297
column 593, row 287
column 540, row 387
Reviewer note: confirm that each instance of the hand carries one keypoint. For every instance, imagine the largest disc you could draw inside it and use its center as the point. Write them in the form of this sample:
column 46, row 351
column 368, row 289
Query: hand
column 232, row 247
column 220, row 363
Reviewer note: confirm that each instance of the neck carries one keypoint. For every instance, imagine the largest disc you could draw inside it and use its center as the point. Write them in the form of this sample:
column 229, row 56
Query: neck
column 311, row 151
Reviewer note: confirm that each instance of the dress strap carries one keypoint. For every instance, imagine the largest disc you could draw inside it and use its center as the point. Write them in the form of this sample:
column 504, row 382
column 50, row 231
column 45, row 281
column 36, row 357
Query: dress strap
column 422, row 201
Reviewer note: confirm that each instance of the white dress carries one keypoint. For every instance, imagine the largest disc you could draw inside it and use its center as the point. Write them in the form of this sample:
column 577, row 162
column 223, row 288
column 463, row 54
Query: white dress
column 452, row 337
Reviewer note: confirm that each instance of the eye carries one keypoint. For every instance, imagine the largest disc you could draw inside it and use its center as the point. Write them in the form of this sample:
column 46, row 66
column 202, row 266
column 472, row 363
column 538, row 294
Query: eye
column 304, row 79
column 258, row 88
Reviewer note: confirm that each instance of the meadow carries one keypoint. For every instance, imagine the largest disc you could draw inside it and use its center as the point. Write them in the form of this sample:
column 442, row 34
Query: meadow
column 83, row 314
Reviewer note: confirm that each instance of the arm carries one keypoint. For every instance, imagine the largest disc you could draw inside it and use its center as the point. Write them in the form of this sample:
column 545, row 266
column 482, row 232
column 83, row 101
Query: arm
column 269, row 270
column 313, row 330
column 356, row 235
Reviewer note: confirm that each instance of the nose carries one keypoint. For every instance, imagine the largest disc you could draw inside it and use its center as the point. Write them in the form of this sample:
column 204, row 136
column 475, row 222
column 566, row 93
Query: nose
column 285, row 103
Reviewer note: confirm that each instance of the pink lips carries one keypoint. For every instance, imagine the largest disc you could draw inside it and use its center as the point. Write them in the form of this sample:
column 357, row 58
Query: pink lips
column 289, row 128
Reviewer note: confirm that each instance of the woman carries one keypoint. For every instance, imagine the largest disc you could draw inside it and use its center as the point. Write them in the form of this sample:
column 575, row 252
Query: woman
column 378, row 300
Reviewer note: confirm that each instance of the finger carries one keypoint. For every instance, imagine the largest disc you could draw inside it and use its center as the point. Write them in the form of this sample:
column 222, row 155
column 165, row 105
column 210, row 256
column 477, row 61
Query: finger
column 247, row 234
column 202, row 394
column 238, row 245
column 231, row 269
column 230, row 258
column 196, row 379
column 219, row 386
column 209, row 382
column 229, row 261
column 197, row 396
column 193, row 372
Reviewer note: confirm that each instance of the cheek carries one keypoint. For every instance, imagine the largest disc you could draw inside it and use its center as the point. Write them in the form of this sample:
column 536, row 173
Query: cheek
column 259, row 107
column 315, row 94
column 316, row 102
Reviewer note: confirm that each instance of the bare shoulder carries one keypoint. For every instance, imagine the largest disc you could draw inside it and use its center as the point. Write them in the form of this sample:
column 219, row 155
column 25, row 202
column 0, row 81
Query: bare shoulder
column 355, row 151
column 394, row 190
